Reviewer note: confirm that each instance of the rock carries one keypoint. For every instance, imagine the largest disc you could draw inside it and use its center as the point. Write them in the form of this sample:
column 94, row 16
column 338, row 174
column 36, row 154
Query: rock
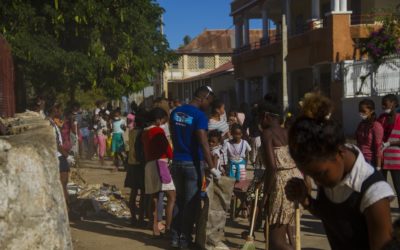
column 33, row 213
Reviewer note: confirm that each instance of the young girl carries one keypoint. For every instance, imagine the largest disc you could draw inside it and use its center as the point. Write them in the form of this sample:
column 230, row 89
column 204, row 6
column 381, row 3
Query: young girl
column 117, row 145
column 215, row 140
column 353, row 198
column 390, row 121
column 101, row 137
column 369, row 134
column 158, row 152
column 280, row 168
column 237, row 149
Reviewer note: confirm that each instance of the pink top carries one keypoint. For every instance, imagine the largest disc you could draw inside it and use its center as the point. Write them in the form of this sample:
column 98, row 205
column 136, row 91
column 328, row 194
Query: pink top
column 131, row 121
column 391, row 155
column 369, row 140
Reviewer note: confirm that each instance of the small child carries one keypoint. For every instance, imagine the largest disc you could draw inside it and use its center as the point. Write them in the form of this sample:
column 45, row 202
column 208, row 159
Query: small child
column 237, row 149
column 215, row 140
column 117, row 146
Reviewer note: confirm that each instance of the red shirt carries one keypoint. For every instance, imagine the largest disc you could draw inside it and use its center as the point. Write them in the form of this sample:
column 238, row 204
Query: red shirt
column 384, row 119
column 369, row 140
column 156, row 145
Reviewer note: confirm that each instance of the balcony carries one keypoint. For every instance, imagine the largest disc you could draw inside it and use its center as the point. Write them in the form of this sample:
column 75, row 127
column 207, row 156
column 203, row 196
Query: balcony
column 276, row 36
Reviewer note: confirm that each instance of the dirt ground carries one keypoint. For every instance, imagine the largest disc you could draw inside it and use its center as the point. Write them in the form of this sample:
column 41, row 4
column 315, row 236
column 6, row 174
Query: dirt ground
column 108, row 232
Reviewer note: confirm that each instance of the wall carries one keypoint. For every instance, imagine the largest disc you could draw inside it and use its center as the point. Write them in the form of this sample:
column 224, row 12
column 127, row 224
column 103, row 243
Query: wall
column 33, row 214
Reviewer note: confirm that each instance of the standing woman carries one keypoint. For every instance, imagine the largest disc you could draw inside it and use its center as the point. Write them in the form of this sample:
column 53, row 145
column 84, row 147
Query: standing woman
column 158, row 152
column 280, row 168
column 216, row 121
column 369, row 134
column 390, row 121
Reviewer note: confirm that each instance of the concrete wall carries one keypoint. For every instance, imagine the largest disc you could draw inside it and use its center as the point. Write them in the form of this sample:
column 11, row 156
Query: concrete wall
column 33, row 214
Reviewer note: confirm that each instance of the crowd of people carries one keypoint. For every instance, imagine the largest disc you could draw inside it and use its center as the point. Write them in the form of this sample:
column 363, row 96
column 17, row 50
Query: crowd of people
column 174, row 151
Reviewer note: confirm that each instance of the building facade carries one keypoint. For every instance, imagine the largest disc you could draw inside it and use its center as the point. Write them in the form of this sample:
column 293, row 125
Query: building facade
column 321, row 35
column 210, row 52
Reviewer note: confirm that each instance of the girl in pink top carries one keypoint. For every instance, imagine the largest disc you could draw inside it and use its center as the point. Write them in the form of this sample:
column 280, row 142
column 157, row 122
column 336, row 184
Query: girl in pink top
column 369, row 134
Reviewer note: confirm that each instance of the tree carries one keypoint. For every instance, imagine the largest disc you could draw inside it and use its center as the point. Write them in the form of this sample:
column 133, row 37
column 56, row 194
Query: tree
column 186, row 40
column 65, row 46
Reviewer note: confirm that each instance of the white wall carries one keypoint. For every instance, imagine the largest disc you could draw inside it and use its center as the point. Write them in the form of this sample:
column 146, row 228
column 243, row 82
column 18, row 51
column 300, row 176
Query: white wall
column 351, row 116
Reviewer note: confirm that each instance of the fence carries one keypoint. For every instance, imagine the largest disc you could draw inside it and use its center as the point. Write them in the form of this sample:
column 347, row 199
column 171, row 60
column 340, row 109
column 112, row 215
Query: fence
column 7, row 95
column 384, row 80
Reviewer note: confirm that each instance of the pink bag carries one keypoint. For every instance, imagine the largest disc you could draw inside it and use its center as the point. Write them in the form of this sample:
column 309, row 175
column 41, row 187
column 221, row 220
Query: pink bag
column 163, row 170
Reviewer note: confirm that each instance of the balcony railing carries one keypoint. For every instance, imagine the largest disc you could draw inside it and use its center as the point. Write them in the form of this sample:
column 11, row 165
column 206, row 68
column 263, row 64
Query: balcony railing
column 277, row 37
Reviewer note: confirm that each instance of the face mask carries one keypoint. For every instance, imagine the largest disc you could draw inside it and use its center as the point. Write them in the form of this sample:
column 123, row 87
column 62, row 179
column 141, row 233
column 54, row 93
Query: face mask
column 387, row 111
column 364, row 117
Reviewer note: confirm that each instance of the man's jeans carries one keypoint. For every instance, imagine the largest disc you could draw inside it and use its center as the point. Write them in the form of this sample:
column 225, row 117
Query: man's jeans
column 187, row 178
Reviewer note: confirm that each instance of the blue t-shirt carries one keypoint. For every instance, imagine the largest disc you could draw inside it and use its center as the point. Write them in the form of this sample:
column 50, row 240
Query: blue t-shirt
column 185, row 120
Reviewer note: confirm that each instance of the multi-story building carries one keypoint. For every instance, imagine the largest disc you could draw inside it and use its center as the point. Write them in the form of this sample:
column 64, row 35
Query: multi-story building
column 211, row 51
column 321, row 35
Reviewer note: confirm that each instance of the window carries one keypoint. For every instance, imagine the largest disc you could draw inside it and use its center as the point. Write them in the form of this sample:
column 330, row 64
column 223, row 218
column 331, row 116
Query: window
column 201, row 62
column 175, row 65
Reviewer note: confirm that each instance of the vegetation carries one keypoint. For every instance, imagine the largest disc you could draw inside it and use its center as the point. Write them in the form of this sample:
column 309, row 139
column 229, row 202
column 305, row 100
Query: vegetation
column 69, row 46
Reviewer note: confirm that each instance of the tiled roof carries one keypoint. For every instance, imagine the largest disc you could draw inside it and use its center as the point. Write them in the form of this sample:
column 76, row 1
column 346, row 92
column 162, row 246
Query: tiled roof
column 215, row 41
column 215, row 72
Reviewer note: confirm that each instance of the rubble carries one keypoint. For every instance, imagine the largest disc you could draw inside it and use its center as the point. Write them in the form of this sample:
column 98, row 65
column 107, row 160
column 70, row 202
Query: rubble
column 97, row 199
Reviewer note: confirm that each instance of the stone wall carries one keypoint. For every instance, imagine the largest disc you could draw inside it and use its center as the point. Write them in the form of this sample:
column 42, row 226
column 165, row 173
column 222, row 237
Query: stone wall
column 33, row 213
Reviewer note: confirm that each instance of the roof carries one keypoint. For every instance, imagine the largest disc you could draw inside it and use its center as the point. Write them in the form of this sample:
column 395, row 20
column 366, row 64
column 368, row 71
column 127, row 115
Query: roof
column 215, row 41
column 224, row 68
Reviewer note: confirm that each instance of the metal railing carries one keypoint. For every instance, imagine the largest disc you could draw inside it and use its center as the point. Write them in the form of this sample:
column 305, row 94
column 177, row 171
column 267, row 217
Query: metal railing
column 277, row 37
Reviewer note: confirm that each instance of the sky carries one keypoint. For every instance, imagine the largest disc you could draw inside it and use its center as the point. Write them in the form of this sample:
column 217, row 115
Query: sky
column 191, row 17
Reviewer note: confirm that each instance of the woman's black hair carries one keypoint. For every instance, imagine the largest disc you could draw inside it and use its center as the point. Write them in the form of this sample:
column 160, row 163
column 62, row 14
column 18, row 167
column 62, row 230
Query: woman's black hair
column 235, row 127
column 216, row 134
column 391, row 98
column 272, row 110
column 157, row 114
column 216, row 104
column 371, row 106
column 313, row 140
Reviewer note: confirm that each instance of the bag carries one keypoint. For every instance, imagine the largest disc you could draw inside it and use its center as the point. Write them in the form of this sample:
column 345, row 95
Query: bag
column 163, row 170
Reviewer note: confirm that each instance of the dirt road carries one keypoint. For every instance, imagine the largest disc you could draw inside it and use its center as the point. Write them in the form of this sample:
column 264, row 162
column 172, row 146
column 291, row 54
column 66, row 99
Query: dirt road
column 110, row 233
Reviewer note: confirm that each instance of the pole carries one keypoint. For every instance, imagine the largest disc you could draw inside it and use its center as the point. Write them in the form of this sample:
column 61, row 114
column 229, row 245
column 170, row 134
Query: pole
column 162, row 70
column 285, row 98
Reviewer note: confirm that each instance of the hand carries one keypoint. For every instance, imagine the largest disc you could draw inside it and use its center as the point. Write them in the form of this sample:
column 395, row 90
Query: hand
column 216, row 173
column 296, row 190
column 71, row 160
column 385, row 145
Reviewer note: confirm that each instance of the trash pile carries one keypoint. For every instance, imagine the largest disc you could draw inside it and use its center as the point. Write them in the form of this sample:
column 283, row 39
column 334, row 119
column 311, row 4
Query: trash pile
column 98, row 199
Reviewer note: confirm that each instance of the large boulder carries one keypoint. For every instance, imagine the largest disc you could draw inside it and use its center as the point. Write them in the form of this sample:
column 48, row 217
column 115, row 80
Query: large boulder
column 33, row 212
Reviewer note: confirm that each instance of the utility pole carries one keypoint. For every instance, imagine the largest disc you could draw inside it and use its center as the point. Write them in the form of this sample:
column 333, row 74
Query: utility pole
column 285, row 98
column 162, row 70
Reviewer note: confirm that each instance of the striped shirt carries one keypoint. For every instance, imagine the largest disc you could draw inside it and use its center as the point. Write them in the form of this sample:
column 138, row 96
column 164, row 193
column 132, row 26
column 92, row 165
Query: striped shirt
column 220, row 125
column 391, row 155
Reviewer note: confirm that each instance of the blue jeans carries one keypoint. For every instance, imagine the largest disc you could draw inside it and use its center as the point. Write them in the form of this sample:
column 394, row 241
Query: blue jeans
column 187, row 178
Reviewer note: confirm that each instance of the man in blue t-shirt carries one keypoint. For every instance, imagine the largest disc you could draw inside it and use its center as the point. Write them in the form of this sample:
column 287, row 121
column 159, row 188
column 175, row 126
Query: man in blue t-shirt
column 189, row 125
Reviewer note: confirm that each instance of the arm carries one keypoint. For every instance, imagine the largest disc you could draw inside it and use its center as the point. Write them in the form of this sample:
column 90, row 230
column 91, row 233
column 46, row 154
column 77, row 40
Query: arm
column 269, row 161
column 379, row 224
column 201, row 135
column 378, row 135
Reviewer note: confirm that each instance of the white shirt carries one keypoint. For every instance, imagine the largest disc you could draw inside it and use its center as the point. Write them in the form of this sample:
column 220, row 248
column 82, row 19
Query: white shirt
column 237, row 151
column 353, row 181
column 216, row 151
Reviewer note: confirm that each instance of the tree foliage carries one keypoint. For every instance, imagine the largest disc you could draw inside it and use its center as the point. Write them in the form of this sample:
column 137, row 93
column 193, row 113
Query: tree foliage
column 64, row 46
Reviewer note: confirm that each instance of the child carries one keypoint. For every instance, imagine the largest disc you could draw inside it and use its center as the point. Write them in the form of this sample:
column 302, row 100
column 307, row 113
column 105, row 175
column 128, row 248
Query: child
column 158, row 152
column 353, row 199
column 215, row 140
column 101, row 137
column 117, row 145
column 237, row 149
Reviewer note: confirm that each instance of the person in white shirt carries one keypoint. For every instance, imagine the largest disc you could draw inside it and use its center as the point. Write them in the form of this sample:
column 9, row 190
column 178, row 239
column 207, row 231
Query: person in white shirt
column 237, row 150
column 353, row 199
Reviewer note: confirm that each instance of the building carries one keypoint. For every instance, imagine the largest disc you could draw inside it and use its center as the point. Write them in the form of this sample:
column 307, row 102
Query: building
column 206, row 56
column 321, row 35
